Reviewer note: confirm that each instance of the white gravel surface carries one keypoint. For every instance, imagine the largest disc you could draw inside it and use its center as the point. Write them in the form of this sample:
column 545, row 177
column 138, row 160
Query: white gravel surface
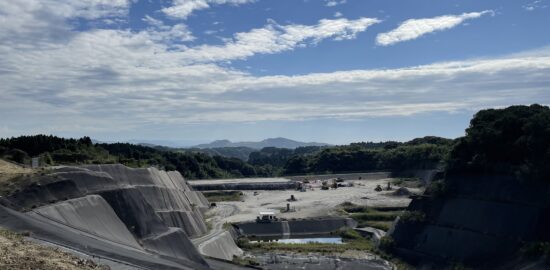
column 314, row 203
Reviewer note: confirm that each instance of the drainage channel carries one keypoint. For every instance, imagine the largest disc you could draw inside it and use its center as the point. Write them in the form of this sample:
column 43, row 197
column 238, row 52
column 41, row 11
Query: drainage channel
column 286, row 229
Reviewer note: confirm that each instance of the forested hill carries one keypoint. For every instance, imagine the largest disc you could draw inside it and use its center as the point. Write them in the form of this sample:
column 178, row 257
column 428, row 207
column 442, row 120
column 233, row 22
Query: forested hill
column 55, row 151
column 422, row 153
column 512, row 141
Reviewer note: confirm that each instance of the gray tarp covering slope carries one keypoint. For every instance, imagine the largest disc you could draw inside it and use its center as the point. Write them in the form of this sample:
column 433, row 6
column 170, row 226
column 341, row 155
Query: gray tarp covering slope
column 117, row 205
column 44, row 229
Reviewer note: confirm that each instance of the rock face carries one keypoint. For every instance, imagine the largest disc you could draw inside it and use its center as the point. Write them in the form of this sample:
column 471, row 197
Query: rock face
column 477, row 220
column 146, row 209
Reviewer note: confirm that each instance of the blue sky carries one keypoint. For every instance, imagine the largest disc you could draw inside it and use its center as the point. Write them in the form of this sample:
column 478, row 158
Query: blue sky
column 335, row 71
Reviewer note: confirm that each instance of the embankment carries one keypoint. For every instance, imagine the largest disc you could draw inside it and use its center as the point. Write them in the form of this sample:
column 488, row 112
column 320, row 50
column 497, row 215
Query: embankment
column 127, row 214
column 245, row 184
column 222, row 246
column 475, row 220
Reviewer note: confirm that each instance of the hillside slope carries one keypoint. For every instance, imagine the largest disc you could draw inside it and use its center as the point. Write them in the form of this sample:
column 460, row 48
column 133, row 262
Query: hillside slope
column 140, row 216
column 494, row 204
column 20, row 254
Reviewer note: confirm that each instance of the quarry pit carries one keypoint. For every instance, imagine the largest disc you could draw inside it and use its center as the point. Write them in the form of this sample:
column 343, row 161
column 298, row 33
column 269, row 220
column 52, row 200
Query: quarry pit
column 309, row 204
column 302, row 208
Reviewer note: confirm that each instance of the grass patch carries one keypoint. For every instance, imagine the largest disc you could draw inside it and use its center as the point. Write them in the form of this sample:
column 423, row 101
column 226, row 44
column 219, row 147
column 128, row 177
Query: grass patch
column 407, row 182
column 209, row 225
column 350, row 234
column 377, row 217
column 536, row 250
column 323, row 248
column 14, row 178
column 227, row 226
column 352, row 240
column 13, row 183
column 223, row 196
column 413, row 217
column 11, row 235
column 245, row 261
column 381, row 225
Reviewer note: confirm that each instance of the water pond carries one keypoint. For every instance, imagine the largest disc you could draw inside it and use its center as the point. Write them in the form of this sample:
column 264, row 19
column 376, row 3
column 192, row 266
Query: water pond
column 323, row 240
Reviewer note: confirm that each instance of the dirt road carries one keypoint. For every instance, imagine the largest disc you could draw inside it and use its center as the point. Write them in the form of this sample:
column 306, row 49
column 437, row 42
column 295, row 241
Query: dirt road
column 217, row 219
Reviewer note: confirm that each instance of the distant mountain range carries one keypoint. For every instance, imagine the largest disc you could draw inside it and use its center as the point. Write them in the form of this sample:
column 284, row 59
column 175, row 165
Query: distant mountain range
column 154, row 143
column 271, row 142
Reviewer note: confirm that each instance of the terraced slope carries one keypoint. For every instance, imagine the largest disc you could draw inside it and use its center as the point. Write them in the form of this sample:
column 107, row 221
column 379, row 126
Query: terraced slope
column 126, row 212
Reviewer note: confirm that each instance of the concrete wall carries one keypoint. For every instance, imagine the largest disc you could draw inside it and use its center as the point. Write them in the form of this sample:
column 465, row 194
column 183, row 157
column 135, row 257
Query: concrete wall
column 248, row 186
column 297, row 227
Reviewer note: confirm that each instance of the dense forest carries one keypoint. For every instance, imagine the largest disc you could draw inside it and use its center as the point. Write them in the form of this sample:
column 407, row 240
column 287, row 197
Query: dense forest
column 422, row 153
column 511, row 141
column 54, row 151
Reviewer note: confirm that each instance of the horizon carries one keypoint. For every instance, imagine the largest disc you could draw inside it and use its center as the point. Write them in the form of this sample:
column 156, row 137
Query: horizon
column 192, row 144
column 322, row 71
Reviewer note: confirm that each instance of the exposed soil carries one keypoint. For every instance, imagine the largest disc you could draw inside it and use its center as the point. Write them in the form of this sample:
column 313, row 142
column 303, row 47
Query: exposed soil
column 16, row 253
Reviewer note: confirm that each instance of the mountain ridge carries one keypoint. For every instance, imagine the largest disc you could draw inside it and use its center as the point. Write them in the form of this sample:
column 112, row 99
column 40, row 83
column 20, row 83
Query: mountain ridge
column 278, row 142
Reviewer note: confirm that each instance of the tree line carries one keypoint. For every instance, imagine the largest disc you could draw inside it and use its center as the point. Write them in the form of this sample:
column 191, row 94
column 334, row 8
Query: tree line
column 514, row 141
column 56, row 151
column 420, row 153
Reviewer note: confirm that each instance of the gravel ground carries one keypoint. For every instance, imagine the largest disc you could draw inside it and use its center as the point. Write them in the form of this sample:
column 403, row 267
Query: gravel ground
column 312, row 261
column 314, row 203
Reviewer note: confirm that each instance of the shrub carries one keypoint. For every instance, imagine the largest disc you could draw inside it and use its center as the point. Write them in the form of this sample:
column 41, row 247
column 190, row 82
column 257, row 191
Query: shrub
column 438, row 188
column 412, row 217
column 536, row 250
column 386, row 243
column 350, row 234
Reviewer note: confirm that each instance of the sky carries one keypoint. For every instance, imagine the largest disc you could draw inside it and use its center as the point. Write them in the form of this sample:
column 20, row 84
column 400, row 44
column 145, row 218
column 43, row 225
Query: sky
column 335, row 71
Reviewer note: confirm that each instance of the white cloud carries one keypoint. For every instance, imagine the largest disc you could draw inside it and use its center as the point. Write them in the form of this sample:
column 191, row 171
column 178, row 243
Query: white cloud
column 158, row 31
column 125, row 80
column 181, row 9
column 415, row 28
column 332, row 3
column 338, row 14
column 121, row 81
column 275, row 38
column 534, row 5
column 37, row 23
column 152, row 21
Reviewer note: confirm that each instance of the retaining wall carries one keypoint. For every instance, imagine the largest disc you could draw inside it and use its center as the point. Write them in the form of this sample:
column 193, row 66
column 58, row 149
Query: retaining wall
column 297, row 227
